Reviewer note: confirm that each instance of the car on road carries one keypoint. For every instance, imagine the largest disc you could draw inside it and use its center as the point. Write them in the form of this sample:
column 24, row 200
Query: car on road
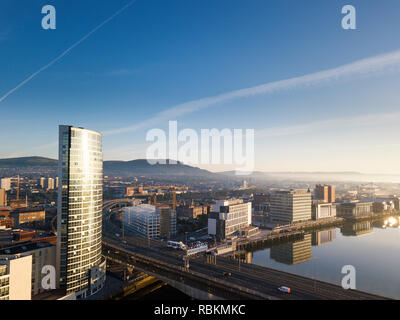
column 284, row 289
column 123, row 241
column 226, row 274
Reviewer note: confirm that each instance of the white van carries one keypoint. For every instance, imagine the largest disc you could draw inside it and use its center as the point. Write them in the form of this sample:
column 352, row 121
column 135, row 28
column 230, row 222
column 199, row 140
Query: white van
column 284, row 289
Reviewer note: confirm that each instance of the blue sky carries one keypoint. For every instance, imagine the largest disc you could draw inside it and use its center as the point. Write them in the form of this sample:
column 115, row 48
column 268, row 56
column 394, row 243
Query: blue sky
column 158, row 54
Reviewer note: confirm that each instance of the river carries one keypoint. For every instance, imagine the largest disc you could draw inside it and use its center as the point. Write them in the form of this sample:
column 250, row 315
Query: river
column 371, row 247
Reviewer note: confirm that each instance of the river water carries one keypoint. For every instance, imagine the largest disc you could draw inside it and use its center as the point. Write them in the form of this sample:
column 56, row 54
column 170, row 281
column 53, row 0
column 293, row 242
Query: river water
column 373, row 248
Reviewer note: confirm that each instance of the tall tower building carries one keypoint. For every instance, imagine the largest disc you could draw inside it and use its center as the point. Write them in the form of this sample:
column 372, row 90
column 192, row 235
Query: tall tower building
column 325, row 193
column 80, row 263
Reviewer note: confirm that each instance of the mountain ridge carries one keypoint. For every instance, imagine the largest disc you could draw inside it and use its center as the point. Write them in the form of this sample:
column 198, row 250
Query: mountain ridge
column 117, row 167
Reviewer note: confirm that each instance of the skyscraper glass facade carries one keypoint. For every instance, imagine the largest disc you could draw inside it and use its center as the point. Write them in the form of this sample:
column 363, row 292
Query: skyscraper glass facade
column 80, row 262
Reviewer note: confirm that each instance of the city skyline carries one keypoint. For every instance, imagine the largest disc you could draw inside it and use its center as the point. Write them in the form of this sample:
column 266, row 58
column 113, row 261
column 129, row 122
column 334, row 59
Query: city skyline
column 319, row 98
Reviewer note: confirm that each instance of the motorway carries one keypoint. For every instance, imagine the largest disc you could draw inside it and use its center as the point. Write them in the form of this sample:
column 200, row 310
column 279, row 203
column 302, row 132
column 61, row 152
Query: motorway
column 247, row 276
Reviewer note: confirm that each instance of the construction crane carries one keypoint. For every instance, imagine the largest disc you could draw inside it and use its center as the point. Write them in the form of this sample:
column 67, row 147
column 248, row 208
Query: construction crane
column 173, row 198
column 18, row 188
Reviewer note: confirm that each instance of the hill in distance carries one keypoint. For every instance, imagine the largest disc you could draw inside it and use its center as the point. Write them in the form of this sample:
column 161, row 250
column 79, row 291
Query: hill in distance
column 133, row 167
column 28, row 162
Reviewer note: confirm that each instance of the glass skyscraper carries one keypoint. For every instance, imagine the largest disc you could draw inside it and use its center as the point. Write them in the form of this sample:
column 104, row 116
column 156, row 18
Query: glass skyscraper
column 80, row 263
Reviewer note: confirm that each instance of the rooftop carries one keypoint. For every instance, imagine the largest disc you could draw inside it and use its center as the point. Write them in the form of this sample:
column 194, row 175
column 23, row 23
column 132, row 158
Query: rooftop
column 144, row 209
column 24, row 247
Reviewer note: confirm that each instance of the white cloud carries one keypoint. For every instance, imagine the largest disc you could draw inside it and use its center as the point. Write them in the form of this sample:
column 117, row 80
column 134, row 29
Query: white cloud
column 368, row 66
column 357, row 121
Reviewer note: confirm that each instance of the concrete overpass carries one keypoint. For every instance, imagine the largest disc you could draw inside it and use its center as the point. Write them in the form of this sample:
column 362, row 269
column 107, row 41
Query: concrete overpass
column 210, row 277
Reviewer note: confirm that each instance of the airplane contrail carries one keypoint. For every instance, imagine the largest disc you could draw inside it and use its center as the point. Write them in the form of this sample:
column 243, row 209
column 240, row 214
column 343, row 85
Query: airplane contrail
column 33, row 75
column 363, row 67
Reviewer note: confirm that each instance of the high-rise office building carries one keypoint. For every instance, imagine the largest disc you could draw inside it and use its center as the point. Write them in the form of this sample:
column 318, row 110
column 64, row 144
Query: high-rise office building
column 80, row 197
column 325, row 193
column 16, row 278
column 290, row 206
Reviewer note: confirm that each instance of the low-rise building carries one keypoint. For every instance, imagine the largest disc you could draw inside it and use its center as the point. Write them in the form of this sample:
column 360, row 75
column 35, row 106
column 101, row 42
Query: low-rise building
column 15, row 278
column 190, row 211
column 322, row 210
column 41, row 253
column 22, row 216
column 355, row 209
column 6, row 222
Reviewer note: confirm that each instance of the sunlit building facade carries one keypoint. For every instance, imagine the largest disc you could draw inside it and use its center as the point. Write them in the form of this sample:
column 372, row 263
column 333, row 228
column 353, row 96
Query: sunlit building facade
column 290, row 206
column 80, row 197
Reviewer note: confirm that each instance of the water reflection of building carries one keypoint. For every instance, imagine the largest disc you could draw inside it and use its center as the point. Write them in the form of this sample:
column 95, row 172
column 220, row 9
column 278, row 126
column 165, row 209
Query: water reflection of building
column 357, row 229
column 293, row 253
column 390, row 222
column 322, row 237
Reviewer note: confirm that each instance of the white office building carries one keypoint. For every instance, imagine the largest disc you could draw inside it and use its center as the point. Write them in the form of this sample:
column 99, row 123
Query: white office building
column 42, row 253
column 150, row 221
column 228, row 217
column 322, row 210
column 15, row 278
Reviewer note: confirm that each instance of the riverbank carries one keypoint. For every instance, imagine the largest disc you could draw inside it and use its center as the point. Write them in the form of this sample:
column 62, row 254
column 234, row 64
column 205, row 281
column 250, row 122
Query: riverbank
column 373, row 217
column 296, row 231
